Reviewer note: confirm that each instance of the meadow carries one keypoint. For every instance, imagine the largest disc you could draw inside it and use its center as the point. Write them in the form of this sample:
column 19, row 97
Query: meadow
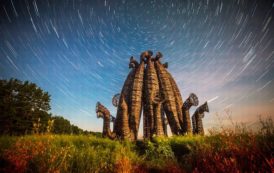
column 222, row 150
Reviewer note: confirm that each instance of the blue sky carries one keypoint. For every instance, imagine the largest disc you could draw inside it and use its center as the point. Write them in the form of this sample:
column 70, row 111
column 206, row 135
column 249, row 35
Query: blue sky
column 79, row 51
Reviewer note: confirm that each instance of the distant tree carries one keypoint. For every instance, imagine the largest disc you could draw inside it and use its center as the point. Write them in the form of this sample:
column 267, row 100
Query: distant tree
column 24, row 109
column 22, row 104
column 76, row 130
column 61, row 125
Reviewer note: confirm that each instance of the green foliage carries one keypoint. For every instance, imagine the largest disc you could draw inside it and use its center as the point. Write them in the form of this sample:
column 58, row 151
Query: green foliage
column 21, row 103
column 61, row 125
column 24, row 110
column 158, row 151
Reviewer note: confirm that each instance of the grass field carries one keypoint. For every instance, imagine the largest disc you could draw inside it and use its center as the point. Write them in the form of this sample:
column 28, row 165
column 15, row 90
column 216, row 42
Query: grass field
column 220, row 151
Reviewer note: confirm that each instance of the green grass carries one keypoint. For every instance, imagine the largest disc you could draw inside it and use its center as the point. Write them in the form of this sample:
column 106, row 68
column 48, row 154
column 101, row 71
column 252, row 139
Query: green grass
column 224, row 151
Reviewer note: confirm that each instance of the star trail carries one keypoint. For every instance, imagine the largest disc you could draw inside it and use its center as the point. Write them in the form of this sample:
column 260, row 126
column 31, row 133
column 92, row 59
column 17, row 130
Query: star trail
column 78, row 51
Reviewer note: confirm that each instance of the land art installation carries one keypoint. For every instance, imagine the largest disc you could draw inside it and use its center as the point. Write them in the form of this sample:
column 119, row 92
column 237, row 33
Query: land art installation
column 151, row 91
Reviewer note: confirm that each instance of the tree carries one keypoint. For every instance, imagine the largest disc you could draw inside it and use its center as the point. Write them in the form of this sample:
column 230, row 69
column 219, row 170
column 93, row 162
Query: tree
column 22, row 104
column 61, row 125
column 76, row 130
column 24, row 110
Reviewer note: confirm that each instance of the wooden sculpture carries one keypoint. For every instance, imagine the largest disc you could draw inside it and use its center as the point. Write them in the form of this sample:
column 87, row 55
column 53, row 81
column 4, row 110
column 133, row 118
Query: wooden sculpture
column 126, row 91
column 150, row 88
column 125, row 130
column 166, row 88
column 103, row 112
column 192, row 100
column 197, row 119
column 158, row 129
column 135, row 97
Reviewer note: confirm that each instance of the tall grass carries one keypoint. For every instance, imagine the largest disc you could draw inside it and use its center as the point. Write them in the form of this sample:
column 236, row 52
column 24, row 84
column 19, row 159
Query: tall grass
column 63, row 153
column 223, row 150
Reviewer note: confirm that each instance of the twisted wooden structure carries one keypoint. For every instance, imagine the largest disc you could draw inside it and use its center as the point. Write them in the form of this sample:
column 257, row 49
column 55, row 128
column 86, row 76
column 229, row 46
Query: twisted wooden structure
column 197, row 119
column 103, row 112
column 192, row 100
column 149, row 89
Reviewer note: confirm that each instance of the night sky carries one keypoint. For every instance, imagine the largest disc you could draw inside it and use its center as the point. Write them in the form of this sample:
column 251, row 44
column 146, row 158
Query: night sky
column 78, row 51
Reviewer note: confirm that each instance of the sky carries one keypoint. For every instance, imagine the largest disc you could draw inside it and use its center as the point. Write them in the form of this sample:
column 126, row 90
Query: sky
column 78, row 51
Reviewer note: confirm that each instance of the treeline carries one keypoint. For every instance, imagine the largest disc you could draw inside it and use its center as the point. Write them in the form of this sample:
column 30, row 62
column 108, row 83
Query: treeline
column 24, row 109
